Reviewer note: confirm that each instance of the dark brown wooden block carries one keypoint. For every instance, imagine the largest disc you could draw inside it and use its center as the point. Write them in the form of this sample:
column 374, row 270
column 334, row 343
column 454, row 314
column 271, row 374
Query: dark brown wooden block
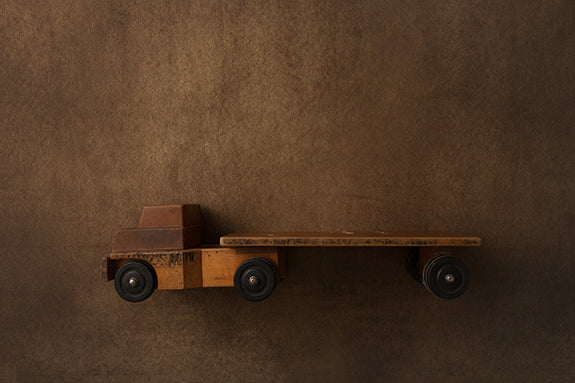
column 170, row 215
column 167, row 238
column 163, row 227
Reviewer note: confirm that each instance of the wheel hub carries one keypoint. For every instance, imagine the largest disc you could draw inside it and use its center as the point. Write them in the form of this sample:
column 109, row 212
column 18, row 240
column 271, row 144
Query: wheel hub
column 449, row 278
column 253, row 280
column 446, row 276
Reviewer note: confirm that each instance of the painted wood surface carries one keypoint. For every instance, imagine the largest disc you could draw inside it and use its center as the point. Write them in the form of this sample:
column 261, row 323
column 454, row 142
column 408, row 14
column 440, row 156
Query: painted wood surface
column 175, row 270
column 208, row 266
column 219, row 264
column 376, row 238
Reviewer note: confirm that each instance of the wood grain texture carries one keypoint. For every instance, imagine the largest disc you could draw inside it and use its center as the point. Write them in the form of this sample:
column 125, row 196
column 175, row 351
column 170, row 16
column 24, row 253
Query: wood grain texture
column 170, row 215
column 209, row 266
column 171, row 267
column 220, row 263
column 376, row 238
column 158, row 238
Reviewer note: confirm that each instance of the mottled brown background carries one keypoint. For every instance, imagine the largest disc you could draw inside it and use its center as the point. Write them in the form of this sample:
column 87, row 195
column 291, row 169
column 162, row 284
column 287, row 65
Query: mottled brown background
column 309, row 115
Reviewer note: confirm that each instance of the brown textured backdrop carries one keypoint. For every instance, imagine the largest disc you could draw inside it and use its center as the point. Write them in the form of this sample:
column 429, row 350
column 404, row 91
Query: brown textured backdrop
column 309, row 115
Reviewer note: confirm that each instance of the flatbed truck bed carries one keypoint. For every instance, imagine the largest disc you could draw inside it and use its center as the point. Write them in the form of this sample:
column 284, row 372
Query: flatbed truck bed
column 347, row 238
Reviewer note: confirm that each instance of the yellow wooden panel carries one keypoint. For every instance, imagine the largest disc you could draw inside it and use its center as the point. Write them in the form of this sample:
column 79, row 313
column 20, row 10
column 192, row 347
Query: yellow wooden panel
column 193, row 269
column 220, row 263
column 168, row 265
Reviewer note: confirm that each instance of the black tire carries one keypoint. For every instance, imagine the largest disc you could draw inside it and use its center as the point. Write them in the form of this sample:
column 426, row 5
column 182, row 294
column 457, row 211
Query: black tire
column 135, row 281
column 446, row 276
column 255, row 279
column 412, row 264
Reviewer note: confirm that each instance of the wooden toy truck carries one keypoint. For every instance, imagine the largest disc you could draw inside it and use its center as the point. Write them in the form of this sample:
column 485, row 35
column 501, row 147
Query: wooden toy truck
column 165, row 252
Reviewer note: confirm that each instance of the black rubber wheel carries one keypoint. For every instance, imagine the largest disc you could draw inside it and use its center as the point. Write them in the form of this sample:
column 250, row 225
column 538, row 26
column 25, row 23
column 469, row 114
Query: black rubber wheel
column 412, row 264
column 446, row 276
column 255, row 279
column 135, row 281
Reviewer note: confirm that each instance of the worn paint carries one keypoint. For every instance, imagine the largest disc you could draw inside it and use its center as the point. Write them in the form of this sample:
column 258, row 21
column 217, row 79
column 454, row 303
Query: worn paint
column 348, row 238
column 360, row 241
column 169, row 266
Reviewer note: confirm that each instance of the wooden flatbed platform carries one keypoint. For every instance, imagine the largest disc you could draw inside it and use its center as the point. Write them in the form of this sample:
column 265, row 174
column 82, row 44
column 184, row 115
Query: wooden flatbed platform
column 374, row 238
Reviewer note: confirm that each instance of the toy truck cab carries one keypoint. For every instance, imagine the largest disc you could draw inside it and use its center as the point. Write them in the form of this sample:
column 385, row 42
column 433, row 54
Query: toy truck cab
column 164, row 252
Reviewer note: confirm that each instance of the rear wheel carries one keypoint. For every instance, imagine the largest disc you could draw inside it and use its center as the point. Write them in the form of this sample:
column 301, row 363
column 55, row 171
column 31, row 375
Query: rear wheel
column 446, row 276
column 135, row 281
column 255, row 279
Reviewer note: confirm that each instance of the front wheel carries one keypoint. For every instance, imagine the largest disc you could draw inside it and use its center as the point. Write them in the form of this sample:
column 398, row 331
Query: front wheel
column 135, row 281
column 445, row 276
column 255, row 279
